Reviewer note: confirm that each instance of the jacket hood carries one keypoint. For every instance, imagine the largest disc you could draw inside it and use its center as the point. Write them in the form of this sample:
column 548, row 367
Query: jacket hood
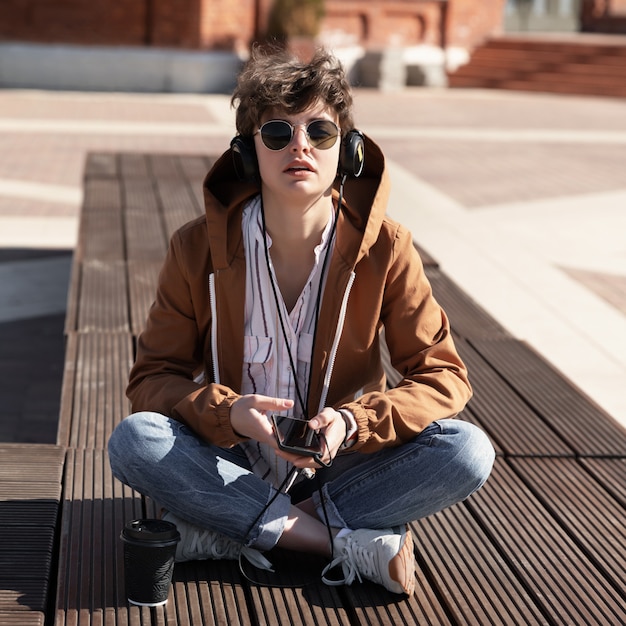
column 364, row 207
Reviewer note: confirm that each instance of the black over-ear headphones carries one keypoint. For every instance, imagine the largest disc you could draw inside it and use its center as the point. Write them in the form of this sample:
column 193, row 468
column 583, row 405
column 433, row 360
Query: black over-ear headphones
column 351, row 156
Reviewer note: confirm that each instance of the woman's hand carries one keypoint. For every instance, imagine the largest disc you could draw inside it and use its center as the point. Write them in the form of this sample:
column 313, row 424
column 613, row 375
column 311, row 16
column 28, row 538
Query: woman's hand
column 249, row 416
column 332, row 429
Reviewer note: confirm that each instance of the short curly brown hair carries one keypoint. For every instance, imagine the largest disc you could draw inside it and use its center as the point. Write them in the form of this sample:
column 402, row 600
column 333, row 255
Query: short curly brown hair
column 273, row 78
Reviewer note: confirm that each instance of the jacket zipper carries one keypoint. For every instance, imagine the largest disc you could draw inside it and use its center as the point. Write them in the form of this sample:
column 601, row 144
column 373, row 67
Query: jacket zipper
column 212, row 304
column 335, row 346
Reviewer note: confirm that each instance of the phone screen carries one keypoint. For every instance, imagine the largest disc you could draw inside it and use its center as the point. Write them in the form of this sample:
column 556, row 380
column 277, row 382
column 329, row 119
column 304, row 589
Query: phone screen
column 294, row 435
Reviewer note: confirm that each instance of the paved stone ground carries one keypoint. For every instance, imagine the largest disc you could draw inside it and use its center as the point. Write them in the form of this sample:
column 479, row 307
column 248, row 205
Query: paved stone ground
column 520, row 197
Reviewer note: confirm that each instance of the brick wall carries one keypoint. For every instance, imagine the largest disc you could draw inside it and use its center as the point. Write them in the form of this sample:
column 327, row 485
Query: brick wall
column 232, row 24
column 471, row 22
column 122, row 22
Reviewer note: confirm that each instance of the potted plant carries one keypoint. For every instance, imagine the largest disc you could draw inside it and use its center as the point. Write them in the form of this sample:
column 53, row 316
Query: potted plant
column 296, row 24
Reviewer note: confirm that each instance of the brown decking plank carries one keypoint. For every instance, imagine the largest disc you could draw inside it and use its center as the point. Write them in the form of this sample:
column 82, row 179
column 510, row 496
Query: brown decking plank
column 275, row 606
column 103, row 361
column 588, row 513
column 95, row 508
column 294, row 593
column 194, row 168
column 67, row 389
column 30, row 492
column 208, row 592
column 504, row 415
column 469, row 573
column 177, row 203
column 586, row 428
column 133, row 165
column 31, row 463
column 73, row 297
column 142, row 281
column 467, row 318
column 611, row 473
column 21, row 618
column 145, row 236
column 562, row 580
column 373, row 604
column 101, row 230
column 103, row 298
column 101, row 165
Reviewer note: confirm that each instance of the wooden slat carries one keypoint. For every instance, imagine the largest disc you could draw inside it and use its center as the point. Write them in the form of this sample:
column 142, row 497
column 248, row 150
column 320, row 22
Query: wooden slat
column 504, row 415
column 145, row 236
column 468, row 572
column 103, row 298
column 67, row 389
column 587, row 429
column 206, row 593
column 73, row 296
column 101, row 234
column 177, row 203
column 143, row 279
column 194, row 169
column 133, row 165
column 101, row 165
column 589, row 514
column 611, row 473
column 30, row 493
column 95, row 509
column 563, row 581
column 13, row 618
column 103, row 361
column 467, row 318
column 294, row 592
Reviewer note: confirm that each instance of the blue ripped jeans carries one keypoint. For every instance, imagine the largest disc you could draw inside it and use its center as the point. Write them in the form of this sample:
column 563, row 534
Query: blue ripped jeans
column 214, row 487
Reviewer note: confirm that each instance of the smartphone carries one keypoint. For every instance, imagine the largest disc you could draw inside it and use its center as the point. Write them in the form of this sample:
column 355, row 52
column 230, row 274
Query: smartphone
column 294, row 435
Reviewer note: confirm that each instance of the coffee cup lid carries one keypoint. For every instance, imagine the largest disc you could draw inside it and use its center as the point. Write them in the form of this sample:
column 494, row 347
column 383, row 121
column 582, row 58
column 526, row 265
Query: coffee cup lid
column 151, row 530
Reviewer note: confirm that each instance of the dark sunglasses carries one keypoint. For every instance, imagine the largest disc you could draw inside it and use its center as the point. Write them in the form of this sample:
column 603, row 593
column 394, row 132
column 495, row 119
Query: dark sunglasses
column 277, row 134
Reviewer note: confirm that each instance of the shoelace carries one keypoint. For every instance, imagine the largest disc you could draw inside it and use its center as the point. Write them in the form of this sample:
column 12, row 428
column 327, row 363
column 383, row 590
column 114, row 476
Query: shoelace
column 354, row 560
column 219, row 547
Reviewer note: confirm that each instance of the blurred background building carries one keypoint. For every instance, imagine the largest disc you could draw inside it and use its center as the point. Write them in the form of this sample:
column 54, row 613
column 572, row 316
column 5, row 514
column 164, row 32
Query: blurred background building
column 198, row 45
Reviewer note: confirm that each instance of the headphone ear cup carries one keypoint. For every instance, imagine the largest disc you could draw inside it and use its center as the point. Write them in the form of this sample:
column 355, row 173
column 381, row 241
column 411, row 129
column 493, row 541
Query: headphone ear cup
column 352, row 154
column 244, row 158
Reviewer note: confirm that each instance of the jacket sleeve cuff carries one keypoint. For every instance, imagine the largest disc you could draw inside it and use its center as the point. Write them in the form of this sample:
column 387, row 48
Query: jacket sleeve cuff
column 226, row 433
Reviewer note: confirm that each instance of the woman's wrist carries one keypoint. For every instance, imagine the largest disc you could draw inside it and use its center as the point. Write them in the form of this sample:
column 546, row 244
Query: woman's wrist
column 352, row 430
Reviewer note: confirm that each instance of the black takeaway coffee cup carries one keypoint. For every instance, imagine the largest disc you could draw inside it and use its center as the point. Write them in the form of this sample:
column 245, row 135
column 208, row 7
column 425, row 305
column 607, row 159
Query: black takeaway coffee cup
column 149, row 550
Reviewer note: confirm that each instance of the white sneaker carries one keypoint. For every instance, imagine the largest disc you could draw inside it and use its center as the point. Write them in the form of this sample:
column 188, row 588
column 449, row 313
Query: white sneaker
column 382, row 556
column 198, row 544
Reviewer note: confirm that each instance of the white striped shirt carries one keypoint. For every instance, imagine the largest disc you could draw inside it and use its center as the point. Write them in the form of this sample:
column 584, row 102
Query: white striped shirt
column 266, row 368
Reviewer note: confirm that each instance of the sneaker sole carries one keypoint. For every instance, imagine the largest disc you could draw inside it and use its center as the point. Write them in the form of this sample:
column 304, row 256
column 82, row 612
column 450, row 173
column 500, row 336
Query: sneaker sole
column 402, row 566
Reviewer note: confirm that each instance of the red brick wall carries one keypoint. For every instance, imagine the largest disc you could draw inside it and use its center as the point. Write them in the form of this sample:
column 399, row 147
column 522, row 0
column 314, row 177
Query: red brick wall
column 233, row 23
column 173, row 23
column 227, row 24
column 470, row 22
column 74, row 21
column 375, row 24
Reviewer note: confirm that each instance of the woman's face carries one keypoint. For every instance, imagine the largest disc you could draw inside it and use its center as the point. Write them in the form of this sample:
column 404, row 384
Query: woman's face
column 300, row 171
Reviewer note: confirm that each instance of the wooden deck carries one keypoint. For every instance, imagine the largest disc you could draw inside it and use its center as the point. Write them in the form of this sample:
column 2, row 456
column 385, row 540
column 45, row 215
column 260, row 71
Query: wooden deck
column 543, row 542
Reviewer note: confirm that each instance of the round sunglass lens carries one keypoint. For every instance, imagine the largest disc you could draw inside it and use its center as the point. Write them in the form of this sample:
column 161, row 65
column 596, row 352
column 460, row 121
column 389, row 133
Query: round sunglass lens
column 276, row 135
column 322, row 134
